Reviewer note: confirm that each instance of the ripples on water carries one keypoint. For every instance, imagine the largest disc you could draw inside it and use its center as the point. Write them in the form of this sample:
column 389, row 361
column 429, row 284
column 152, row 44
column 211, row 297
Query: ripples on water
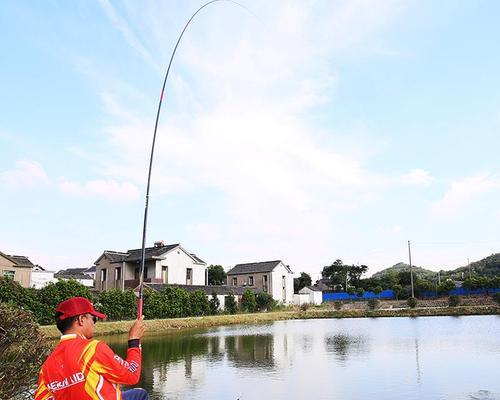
column 440, row 358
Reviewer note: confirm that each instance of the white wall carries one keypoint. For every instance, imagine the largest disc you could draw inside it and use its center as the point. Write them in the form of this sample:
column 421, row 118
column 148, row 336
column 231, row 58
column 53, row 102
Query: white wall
column 85, row 282
column 177, row 261
column 40, row 279
column 276, row 278
column 315, row 296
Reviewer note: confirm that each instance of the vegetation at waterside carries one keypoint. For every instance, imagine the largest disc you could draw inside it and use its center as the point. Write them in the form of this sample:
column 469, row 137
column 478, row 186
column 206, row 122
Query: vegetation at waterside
column 301, row 282
column 216, row 275
column 340, row 277
column 173, row 324
column 23, row 349
column 118, row 305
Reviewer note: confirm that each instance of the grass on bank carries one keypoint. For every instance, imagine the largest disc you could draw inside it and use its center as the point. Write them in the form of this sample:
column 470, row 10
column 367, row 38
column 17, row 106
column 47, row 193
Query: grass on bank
column 164, row 325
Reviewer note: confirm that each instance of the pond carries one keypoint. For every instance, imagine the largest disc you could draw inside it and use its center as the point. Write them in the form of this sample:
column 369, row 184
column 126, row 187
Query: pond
column 381, row 358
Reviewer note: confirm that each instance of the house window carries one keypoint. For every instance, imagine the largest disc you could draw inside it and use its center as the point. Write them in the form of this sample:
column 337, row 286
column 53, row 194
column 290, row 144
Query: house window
column 235, row 281
column 189, row 276
column 264, row 283
column 164, row 274
column 118, row 273
column 104, row 276
column 283, row 283
column 9, row 274
column 250, row 281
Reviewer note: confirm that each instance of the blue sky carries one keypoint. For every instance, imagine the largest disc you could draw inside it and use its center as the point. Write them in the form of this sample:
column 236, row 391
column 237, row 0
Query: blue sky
column 306, row 131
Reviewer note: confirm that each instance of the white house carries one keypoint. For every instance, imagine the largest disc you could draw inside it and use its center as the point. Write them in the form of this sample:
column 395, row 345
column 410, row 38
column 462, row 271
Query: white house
column 77, row 274
column 169, row 264
column 315, row 294
column 40, row 277
column 273, row 277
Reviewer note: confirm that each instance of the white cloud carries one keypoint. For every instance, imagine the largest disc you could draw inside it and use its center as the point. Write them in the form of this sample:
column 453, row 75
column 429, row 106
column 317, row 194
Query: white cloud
column 464, row 191
column 116, row 192
column 26, row 174
column 417, row 177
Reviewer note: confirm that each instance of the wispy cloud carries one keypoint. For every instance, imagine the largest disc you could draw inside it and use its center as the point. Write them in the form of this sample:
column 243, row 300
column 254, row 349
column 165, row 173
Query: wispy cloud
column 26, row 174
column 417, row 177
column 463, row 191
column 124, row 28
column 115, row 192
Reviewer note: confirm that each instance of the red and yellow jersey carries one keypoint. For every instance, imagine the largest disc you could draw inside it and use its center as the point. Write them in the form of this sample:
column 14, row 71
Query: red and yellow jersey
column 81, row 368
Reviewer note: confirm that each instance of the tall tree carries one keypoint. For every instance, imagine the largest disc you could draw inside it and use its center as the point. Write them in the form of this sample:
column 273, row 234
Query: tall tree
column 302, row 281
column 216, row 275
column 337, row 273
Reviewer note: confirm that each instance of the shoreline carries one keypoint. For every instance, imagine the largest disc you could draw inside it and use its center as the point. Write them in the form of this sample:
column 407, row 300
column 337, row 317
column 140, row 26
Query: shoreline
column 175, row 324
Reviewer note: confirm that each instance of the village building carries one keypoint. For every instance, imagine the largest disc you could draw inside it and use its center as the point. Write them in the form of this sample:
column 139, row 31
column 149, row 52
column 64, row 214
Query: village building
column 311, row 295
column 273, row 277
column 17, row 268
column 40, row 277
column 78, row 274
column 164, row 264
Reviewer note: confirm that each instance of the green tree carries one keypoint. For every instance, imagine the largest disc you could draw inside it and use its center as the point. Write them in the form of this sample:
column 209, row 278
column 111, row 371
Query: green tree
column 214, row 304
column 230, row 304
column 446, row 286
column 351, row 290
column 377, row 290
column 264, row 301
column 398, row 291
column 216, row 275
column 301, row 282
column 355, row 272
column 117, row 304
column 337, row 273
column 248, row 303
column 360, row 292
column 199, row 303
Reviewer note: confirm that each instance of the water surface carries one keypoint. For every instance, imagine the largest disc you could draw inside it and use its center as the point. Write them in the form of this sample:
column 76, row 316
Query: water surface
column 382, row 358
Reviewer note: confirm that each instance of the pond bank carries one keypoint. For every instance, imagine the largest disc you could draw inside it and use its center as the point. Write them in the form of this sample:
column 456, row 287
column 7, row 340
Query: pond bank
column 164, row 325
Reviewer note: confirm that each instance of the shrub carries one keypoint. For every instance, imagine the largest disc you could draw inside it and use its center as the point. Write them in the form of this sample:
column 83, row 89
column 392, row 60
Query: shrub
column 337, row 305
column 351, row 290
column 265, row 301
column 155, row 305
column 412, row 302
column 199, row 303
column 496, row 297
column 118, row 305
column 360, row 292
column 398, row 290
column 377, row 290
column 214, row 304
column 454, row 300
column 248, row 302
column 23, row 348
column 230, row 304
column 304, row 306
column 373, row 304
column 446, row 286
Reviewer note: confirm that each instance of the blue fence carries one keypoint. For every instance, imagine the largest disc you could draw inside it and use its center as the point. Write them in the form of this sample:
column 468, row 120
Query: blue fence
column 385, row 294
column 461, row 292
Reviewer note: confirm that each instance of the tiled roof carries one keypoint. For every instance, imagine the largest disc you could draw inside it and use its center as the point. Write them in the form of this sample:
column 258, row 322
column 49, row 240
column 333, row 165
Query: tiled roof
column 115, row 256
column 151, row 252
column 313, row 288
column 266, row 266
column 22, row 261
column 72, row 273
column 220, row 290
column 197, row 259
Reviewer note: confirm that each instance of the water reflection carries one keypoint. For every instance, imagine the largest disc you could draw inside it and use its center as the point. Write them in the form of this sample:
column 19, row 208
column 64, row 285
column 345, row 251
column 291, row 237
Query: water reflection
column 399, row 358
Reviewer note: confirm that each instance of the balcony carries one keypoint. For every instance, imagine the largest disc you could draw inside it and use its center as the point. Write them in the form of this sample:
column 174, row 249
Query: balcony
column 133, row 283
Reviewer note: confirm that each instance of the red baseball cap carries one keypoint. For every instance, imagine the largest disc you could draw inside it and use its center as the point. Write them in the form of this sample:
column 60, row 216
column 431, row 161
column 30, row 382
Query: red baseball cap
column 77, row 306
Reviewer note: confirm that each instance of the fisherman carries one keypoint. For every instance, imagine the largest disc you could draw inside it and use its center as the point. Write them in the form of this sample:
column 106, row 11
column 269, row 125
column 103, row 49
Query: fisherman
column 82, row 368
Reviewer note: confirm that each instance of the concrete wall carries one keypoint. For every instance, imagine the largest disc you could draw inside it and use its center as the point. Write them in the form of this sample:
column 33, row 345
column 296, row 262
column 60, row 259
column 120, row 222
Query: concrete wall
column 178, row 261
column 286, row 295
column 258, row 281
column 315, row 297
column 40, row 279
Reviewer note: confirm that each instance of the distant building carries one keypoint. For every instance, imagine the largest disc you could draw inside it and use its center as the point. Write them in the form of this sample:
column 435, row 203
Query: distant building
column 40, row 277
column 77, row 274
column 273, row 277
column 315, row 294
column 17, row 268
column 169, row 264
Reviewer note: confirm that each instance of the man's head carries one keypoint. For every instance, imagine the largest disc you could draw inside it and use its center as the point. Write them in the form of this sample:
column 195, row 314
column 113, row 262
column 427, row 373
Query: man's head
column 77, row 315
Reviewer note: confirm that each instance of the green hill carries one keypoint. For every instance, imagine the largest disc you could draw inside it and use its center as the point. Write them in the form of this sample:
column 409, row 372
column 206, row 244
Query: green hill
column 399, row 267
column 489, row 266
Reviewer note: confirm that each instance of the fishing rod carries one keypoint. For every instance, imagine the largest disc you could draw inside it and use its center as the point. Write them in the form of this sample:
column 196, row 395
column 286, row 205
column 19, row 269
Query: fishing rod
column 144, row 227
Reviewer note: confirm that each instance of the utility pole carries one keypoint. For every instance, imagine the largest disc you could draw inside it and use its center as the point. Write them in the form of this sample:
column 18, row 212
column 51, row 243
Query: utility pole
column 411, row 273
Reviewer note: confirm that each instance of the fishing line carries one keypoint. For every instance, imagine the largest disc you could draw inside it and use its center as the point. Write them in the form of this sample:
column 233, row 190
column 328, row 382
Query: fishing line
column 144, row 227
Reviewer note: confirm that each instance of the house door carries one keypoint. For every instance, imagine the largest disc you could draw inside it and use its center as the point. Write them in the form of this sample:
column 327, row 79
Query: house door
column 164, row 274
column 189, row 276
